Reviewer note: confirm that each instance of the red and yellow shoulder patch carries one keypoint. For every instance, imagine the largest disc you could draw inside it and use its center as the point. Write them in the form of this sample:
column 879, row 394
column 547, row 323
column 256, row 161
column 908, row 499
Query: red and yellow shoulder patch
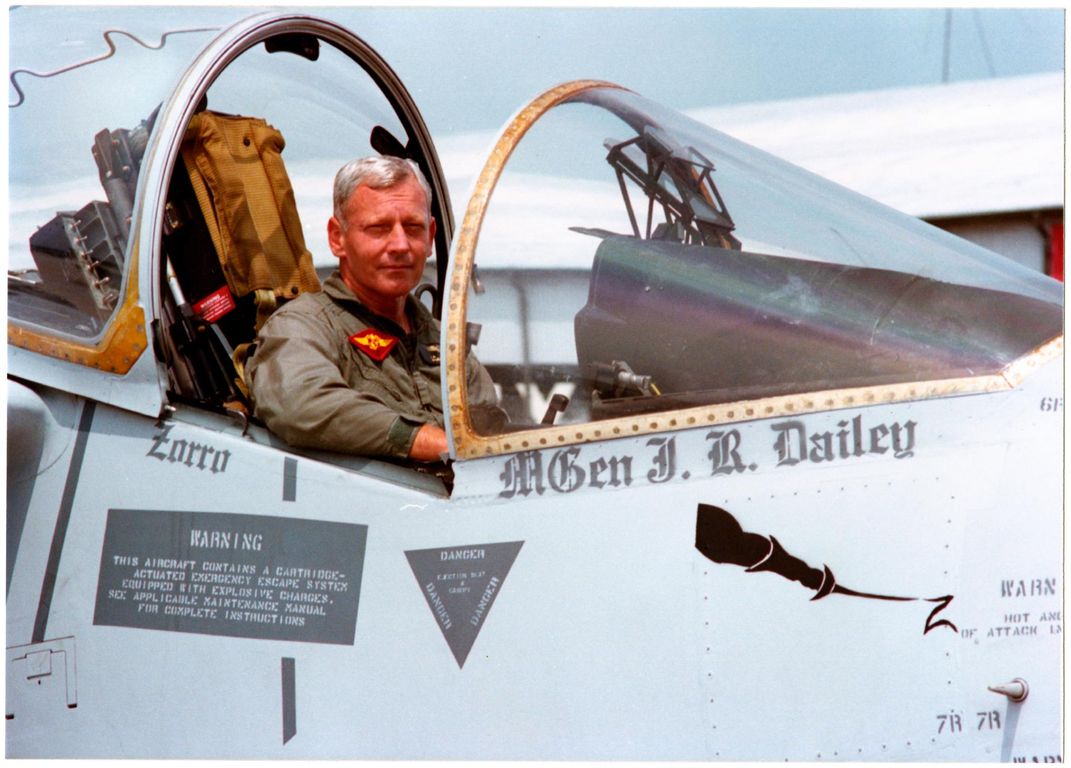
column 376, row 344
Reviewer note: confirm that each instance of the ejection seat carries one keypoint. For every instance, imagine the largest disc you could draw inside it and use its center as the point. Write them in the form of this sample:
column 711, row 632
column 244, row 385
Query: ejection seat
column 235, row 249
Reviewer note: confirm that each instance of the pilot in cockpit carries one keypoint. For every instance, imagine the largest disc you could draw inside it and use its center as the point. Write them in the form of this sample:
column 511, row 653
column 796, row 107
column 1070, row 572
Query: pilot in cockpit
column 355, row 368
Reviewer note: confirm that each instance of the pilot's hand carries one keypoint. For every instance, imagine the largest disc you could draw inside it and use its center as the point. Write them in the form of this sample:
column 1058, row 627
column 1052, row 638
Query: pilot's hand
column 429, row 444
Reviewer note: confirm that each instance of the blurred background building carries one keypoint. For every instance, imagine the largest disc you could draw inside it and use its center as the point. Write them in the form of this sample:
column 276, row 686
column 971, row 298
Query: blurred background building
column 917, row 150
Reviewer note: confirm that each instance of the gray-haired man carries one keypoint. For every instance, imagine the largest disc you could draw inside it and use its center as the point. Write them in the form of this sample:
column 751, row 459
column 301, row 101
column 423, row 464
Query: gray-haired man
column 354, row 367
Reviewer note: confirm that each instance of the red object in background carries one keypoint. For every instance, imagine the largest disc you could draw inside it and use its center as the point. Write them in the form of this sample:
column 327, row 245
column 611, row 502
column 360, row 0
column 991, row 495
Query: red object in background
column 1056, row 250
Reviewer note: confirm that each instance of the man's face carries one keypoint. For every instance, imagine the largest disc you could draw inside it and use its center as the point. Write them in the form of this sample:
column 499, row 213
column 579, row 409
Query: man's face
column 387, row 239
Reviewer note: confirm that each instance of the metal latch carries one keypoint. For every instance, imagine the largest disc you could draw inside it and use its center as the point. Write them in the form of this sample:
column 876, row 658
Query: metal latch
column 37, row 665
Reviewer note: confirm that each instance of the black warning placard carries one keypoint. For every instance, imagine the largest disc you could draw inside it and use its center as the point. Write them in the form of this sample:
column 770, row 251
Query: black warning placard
column 218, row 573
column 460, row 584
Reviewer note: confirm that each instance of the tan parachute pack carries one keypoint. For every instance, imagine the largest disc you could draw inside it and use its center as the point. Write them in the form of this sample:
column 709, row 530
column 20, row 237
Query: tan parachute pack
column 236, row 168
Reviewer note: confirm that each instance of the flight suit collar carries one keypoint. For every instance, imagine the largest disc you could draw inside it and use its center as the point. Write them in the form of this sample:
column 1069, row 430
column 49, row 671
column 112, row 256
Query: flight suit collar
column 419, row 316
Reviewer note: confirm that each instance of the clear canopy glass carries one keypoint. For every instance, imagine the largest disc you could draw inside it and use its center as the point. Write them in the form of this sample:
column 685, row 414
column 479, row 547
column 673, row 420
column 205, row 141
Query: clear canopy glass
column 635, row 261
column 77, row 138
column 79, row 118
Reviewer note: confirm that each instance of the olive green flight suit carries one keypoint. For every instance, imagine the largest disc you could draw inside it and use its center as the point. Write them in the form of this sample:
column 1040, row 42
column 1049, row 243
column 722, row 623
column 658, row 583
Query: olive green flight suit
column 315, row 388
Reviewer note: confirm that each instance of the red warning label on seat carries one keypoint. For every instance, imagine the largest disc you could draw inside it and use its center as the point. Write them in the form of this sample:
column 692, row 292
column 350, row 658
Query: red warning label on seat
column 215, row 305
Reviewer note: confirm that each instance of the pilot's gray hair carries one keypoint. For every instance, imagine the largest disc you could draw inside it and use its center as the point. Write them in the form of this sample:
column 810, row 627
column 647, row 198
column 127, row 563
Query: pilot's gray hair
column 377, row 172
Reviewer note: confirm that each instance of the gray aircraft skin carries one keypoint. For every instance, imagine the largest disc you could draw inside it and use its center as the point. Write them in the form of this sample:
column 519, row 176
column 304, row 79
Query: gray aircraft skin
column 780, row 479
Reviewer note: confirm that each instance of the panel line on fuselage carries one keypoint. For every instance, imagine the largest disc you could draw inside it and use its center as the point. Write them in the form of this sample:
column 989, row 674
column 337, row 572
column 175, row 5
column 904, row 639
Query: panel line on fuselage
column 59, row 535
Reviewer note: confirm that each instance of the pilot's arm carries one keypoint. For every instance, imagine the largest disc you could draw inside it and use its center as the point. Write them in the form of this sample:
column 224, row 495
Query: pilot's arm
column 430, row 442
column 310, row 390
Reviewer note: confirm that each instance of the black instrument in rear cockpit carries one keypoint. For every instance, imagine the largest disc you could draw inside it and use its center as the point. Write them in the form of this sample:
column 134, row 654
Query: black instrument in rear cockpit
column 679, row 180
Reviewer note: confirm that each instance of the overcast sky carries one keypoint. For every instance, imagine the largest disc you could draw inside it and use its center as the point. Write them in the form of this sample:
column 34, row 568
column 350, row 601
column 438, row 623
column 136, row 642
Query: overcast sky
column 691, row 58
column 470, row 68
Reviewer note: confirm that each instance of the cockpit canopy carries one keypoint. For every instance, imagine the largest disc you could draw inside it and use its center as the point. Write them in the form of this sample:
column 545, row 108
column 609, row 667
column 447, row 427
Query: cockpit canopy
column 80, row 130
column 124, row 215
column 632, row 261
column 621, row 269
